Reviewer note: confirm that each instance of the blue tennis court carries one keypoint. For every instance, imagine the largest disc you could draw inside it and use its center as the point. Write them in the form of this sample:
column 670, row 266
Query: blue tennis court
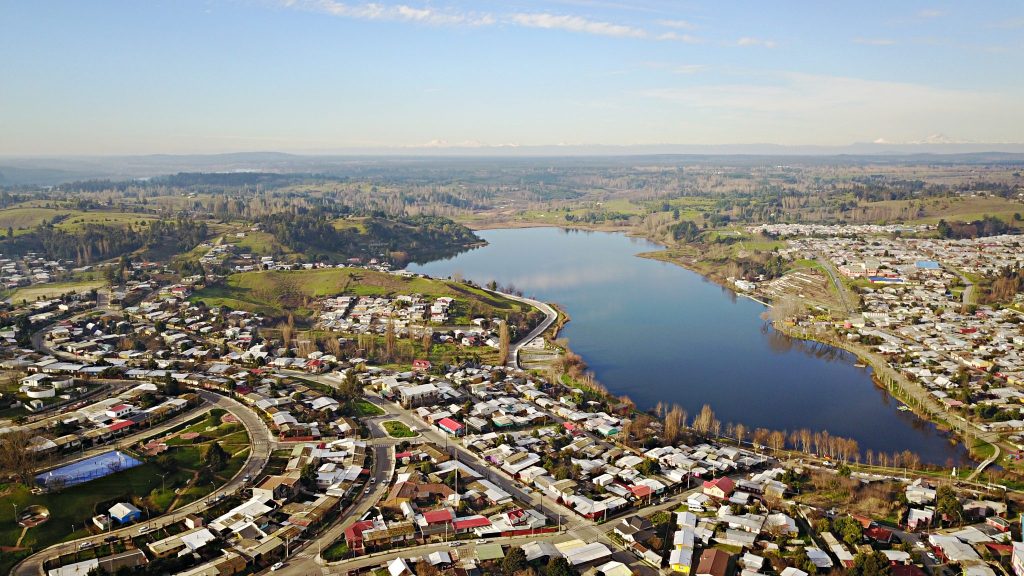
column 89, row 469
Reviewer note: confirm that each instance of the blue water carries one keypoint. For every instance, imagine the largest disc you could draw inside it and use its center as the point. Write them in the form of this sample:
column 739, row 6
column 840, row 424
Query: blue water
column 89, row 469
column 656, row 332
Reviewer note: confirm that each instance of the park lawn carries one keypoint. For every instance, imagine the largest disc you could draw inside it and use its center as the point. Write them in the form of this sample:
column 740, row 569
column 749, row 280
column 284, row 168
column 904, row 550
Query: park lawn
column 362, row 408
column 53, row 290
column 396, row 429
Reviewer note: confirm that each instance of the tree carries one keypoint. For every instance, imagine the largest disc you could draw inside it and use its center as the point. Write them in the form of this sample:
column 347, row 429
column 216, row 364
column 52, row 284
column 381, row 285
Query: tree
column 504, row 342
column 675, row 423
column 214, row 457
column 309, row 475
column 514, row 561
column 870, row 564
column 948, row 505
column 849, row 530
column 390, row 341
column 16, row 457
column 558, row 566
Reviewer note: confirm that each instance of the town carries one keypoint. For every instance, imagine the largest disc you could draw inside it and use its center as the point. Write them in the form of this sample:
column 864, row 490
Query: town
column 270, row 451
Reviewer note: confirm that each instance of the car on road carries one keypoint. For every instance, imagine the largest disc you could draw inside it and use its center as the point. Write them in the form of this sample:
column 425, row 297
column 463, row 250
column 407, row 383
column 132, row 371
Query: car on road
column 111, row 538
column 373, row 480
column 144, row 529
column 85, row 545
column 277, row 566
column 480, row 541
column 367, row 491
column 932, row 557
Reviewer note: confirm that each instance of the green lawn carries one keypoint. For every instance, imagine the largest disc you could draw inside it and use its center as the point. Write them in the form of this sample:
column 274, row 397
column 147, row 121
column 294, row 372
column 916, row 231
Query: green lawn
column 397, row 429
column 363, row 408
column 44, row 291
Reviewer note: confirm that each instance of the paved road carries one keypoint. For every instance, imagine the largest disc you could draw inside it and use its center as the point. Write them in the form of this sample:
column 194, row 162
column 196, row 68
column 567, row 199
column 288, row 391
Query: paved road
column 260, row 440
column 845, row 298
column 550, row 315
column 306, row 559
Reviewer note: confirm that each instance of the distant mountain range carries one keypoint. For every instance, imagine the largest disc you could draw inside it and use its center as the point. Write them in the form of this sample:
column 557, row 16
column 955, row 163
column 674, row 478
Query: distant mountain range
column 48, row 171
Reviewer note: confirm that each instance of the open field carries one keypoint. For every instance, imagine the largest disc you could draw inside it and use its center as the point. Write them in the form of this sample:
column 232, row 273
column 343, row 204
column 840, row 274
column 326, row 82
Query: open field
column 273, row 292
column 23, row 219
column 77, row 220
column 44, row 291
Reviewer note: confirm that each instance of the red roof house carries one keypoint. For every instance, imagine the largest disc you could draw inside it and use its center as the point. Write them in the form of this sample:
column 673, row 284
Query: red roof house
column 450, row 426
column 720, row 488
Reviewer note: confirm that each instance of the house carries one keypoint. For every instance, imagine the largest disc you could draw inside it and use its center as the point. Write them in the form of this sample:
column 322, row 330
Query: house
column 125, row 513
column 451, row 426
column 719, row 488
column 633, row 528
column 714, row 562
column 276, row 488
column 421, row 365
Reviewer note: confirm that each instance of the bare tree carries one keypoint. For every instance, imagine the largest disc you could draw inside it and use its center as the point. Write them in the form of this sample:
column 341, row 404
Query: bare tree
column 504, row 342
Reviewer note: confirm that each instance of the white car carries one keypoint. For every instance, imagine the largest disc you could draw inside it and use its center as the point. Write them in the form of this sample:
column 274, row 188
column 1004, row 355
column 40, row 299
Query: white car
column 144, row 529
column 85, row 545
column 277, row 567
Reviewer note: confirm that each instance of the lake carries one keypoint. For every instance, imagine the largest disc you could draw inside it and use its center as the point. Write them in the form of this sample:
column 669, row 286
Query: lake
column 656, row 332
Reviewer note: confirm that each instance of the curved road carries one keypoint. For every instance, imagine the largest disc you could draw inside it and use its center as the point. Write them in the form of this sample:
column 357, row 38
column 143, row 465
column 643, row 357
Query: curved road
column 260, row 442
column 550, row 315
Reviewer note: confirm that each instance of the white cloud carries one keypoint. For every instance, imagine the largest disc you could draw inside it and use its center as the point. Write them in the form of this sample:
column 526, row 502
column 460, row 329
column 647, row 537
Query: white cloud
column 874, row 41
column 749, row 41
column 393, row 12
column 575, row 24
column 678, row 24
column 676, row 37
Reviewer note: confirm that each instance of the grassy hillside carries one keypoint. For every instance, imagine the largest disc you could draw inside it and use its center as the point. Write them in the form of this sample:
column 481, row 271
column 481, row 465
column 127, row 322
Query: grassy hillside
column 277, row 293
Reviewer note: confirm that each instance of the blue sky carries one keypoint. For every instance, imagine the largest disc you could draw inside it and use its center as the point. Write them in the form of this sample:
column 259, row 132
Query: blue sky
column 135, row 76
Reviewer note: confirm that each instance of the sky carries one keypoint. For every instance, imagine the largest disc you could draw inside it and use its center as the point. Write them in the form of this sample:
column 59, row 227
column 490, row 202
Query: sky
column 182, row 76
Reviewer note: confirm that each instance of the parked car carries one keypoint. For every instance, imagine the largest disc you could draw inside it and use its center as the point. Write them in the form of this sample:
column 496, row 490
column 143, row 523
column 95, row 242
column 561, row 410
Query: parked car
column 277, row 567
column 144, row 529
column 85, row 545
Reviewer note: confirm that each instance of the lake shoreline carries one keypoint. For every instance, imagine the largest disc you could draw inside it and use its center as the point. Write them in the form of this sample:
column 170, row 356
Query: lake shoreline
column 610, row 369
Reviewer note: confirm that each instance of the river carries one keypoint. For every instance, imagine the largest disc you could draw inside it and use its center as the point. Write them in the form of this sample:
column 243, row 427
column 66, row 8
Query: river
column 656, row 332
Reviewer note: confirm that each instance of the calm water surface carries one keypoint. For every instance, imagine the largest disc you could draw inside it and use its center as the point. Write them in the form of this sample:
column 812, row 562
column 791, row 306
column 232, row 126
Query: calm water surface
column 657, row 332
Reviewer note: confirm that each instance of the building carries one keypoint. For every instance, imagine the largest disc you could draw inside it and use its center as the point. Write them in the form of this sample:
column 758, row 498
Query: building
column 125, row 513
column 719, row 488
column 713, row 562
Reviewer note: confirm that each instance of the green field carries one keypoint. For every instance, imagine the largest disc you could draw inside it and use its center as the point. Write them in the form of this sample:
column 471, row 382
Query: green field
column 396, row 429
column 53, row 290
column 77, row 220
column 274, row 292
column 23, row 219
column 363, row 408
